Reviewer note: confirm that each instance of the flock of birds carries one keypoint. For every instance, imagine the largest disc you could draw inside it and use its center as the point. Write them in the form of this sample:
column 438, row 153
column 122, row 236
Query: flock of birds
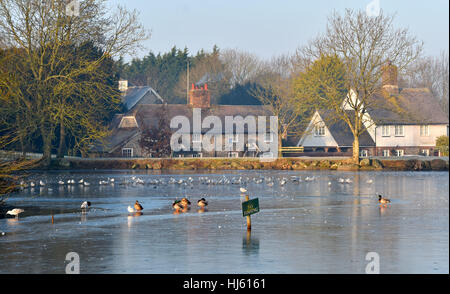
column 184, row 204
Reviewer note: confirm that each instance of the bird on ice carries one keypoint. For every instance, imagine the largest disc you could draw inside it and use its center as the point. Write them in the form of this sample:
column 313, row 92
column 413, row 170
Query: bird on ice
column 85, row 204
column 138, row 206
column 202, row 203
column 243, row 190
column 15, row 212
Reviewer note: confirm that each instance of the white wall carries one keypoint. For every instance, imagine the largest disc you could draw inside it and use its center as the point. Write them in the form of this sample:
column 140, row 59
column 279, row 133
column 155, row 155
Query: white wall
column 411, row 136
column 310, row 140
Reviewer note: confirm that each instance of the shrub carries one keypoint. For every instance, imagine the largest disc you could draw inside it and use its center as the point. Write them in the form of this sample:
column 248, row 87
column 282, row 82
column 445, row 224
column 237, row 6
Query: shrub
column 442, row 145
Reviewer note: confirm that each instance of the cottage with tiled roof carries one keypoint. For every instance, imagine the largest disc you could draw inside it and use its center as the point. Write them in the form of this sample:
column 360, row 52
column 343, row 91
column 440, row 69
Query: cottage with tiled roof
column 400, row 121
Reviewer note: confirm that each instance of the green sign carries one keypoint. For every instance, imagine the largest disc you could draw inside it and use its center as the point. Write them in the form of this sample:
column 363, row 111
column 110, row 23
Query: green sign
column 250, row 207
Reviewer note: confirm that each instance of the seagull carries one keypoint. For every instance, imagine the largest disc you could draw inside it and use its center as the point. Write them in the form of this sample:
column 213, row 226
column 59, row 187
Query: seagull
column 86, row 183
column 369, row 181
column 329, row 183
column 131, row 210
column 85, row 205
column 341, row 180
column 60, row 182
column 243, row 190
column 270, row 184
column 348, row 181
column 32, row 184
column 202, row 203
column 41, row 183
column 80, row 181
column 15, row 212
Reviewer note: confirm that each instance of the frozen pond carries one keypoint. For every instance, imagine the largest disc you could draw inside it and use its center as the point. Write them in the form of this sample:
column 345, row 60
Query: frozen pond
column 303, row 226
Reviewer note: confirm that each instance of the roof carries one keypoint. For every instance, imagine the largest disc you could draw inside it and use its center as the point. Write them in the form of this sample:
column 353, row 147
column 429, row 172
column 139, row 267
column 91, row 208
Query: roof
column 148, row 116
column 140, row 95
column 341, row 131
column 410, row 106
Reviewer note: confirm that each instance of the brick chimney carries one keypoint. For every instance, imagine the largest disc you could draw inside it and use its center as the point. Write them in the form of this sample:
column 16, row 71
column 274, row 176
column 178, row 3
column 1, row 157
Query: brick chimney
column 390, row 78
column 199, row 96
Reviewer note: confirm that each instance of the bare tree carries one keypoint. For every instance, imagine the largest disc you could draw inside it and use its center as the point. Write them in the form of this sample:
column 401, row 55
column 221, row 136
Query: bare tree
column 275, row 90
column 432, row 73
column 241, row 67
column 364, row 44
column 43, row 33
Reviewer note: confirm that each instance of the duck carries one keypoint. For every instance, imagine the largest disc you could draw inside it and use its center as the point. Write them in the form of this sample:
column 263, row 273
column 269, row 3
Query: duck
column 138, row 206
column 202, row 203
column 85, row 204
column 383, row 200
column 177, row 205
column 185, row 202
column 15, row 212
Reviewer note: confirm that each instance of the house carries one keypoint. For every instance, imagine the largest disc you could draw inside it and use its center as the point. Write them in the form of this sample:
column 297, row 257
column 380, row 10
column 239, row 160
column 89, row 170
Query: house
column 127, row 128
column 133, row 96
column 400, row 121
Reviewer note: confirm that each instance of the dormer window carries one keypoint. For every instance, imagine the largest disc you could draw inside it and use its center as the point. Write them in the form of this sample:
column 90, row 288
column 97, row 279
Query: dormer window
column 128, row 122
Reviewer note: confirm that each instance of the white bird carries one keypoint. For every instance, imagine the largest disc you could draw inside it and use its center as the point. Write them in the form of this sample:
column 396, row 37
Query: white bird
column 60, row 182
column 111, row 180
column 86, row 183
column 369, row 181
column 80, row 181
column 15, row 212
column 243, row 190
column 341, row 180
column 85, row 204
column 348, row 181
column 270, row 184
column 41, row 183
column 283, row 182
column 130, row 209
column 32, row 184
column 329, row 183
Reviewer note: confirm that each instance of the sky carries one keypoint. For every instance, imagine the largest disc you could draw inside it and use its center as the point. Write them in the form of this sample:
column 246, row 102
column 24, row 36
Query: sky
column 272, row 27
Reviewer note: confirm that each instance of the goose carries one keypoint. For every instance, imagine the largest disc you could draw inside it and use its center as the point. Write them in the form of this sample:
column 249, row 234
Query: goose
column 138, row 206
column 243, row 190
column 383, row 200
column 85, row 204
column 15, row 212
column 202, row 203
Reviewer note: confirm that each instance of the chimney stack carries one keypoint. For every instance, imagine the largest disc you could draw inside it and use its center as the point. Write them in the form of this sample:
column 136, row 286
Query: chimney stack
column 199, row 97
column 390, row 78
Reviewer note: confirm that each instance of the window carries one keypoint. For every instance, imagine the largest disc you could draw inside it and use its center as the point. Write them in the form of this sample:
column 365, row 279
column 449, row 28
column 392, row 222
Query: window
column 386, row 153
column 196, row 138
column 233, row 154
column 424, row 130
column 319, row 131
column 127, row 152
column 385, row 131
column 268, row 138
column 399, row 131
column 399, row 152
column 197, row 155
column 364, row 153
column 425, row 152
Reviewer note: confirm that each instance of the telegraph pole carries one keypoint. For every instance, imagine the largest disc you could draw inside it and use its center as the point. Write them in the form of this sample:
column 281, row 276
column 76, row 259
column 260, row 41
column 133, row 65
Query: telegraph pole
column 187, row 82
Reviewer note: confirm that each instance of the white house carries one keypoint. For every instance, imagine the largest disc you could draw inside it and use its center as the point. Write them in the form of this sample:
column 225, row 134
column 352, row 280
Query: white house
column 400, row 121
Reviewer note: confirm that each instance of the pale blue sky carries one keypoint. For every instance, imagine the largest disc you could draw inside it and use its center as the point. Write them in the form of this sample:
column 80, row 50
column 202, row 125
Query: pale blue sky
column 269, row 27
